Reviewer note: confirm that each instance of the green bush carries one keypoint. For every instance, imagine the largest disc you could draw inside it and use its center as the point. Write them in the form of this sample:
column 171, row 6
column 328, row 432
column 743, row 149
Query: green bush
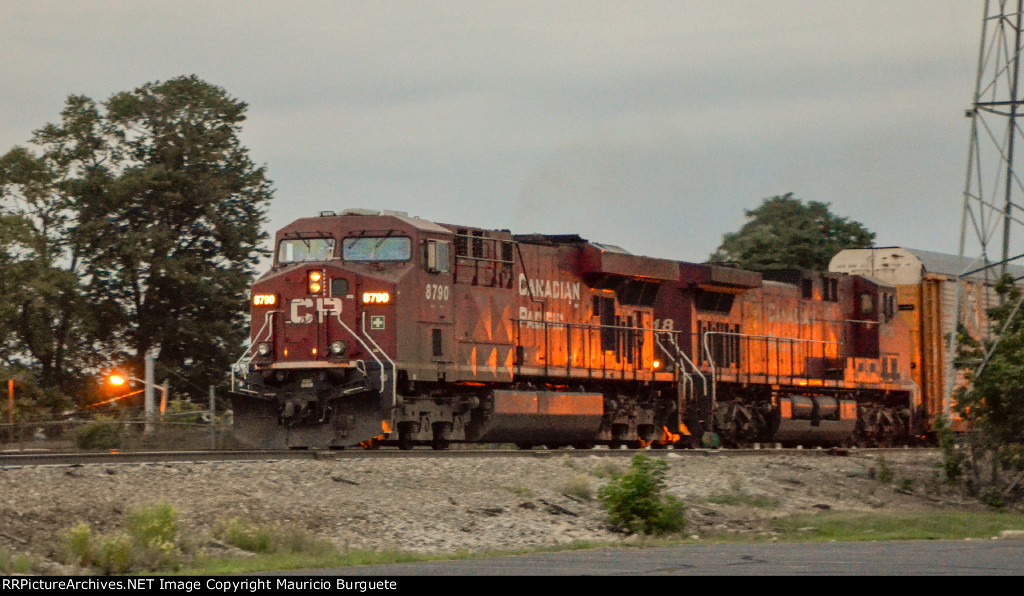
column 1011, row 457
column 99, row 435
column 634, row 500
column 992, row 497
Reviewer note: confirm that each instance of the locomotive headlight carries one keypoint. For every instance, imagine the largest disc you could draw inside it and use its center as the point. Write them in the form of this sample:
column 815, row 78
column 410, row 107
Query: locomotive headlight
column 316, row 279
column 263, row 349
column 338, row 347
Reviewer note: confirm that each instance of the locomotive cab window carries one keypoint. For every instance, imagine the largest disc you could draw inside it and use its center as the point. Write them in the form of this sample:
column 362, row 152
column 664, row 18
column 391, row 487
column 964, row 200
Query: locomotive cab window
column 867, row 304
column 435, row 256
column 807, row 288
column 305, row 249
column 831, row 289
column 377, row 249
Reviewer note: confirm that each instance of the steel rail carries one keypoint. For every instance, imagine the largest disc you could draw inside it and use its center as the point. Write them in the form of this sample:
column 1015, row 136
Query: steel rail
column 10, row 460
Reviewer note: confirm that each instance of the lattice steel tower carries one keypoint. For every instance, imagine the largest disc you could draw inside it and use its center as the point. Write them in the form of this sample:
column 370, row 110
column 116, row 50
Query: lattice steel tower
column 993, row 190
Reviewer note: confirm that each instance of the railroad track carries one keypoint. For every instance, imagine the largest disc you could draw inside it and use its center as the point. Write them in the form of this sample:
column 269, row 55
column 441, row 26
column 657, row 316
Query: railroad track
column 19, row 459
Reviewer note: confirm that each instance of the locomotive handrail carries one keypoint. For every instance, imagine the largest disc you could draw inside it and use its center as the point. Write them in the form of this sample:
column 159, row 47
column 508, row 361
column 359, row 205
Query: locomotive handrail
column 394, row 368
column 472, row 238
column 545, row 325
column 711, row 359
column 337, row 315
column 252, row 345
column 679, row 352
column 688, row 385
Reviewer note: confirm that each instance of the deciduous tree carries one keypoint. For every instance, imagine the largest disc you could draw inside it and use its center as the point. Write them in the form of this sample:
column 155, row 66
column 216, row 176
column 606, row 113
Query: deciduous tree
column 786, row 233
column 135, row 224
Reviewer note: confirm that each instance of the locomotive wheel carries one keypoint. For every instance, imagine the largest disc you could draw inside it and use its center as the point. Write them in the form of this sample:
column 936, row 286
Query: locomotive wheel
column 405, row 432
column 442, row 433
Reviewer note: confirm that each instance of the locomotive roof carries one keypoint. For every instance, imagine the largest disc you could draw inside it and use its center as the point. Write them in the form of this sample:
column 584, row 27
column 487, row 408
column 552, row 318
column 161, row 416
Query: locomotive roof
column 414, row 222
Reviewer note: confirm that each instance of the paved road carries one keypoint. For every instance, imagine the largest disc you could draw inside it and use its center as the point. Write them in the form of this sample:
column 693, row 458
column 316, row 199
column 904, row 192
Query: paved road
column 940, row 557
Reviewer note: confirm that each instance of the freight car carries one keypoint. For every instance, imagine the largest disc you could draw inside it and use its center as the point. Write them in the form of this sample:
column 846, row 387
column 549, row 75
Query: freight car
column 926, row 295
column 378, row 327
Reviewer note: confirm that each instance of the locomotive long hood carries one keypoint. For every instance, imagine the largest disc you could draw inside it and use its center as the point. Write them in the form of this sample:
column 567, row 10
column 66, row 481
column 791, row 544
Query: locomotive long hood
column 597, row 260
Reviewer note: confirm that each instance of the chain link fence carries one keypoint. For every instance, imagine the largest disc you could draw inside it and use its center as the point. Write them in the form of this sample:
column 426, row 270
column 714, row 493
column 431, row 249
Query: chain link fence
column 130, row 431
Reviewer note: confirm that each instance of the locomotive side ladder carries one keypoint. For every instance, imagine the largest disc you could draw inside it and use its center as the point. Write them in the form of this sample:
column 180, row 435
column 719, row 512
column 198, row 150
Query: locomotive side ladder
column 689, row 392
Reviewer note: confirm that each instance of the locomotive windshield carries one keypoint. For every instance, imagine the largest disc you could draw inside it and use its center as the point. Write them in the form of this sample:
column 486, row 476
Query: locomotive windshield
column 381, row 248
column 305, row 249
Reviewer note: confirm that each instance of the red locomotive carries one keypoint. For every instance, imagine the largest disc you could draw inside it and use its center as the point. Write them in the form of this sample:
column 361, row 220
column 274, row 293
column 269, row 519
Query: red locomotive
column 377, row 326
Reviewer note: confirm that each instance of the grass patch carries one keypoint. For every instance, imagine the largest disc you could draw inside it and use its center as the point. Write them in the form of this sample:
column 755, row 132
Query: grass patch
column 232, row 565
column 847, row 527
column 579, row 488
column 607, row 468
column 278, row 539
column 827, row 526
column 283, row 561
column 519, row 491
column 11, row 563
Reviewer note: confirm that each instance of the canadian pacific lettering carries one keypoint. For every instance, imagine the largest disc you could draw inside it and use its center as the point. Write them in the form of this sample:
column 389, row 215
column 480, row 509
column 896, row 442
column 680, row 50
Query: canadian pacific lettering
column 526, row 314
column 547, row 288
column 300, row 306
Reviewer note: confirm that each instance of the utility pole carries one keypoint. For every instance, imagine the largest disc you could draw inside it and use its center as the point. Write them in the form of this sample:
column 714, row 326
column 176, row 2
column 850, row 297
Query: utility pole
column 150, row 384
column 992, row 200
column 10, row 406
column 213, row 417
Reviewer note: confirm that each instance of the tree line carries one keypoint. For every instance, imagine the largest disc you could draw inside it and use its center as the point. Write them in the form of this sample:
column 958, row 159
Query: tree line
column 129, row 224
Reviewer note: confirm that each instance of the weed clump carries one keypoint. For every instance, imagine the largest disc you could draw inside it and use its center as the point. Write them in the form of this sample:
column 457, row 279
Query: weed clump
column 274, row 539
column 606, row 468
column 881, row 471
column 635, row 502
column 578, row 487
column 12, row 564
column 151, row 543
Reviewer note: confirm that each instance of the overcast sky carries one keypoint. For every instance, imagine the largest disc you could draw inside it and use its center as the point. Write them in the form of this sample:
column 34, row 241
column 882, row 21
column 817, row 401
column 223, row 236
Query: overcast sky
column 647, row 124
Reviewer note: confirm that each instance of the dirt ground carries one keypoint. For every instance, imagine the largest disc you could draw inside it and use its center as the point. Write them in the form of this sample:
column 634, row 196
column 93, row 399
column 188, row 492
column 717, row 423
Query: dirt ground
column 451, row 504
